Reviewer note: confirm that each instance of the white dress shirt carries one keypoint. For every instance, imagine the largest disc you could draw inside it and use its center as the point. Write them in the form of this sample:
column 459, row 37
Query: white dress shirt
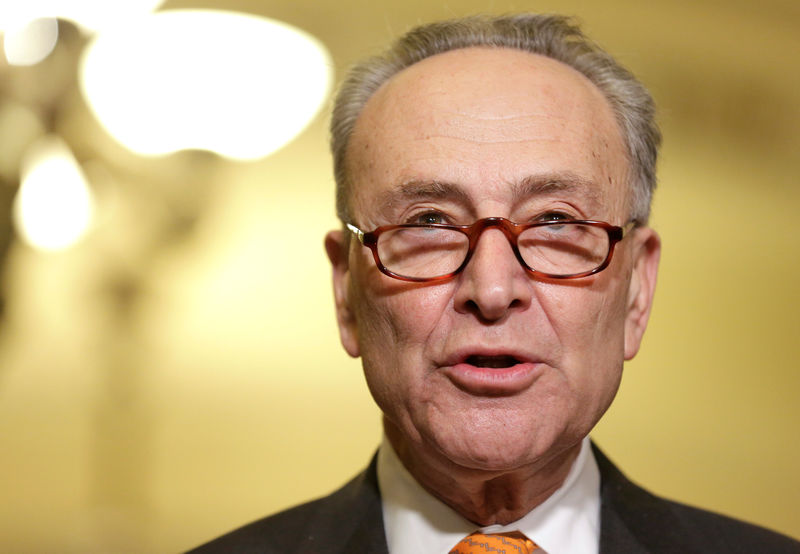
column 418, row 523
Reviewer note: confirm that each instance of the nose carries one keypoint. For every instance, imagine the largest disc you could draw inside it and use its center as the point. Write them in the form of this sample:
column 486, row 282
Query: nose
column 494, row 283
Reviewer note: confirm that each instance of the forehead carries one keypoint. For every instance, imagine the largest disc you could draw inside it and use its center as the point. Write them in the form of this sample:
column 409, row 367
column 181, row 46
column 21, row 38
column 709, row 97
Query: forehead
column 486, row 122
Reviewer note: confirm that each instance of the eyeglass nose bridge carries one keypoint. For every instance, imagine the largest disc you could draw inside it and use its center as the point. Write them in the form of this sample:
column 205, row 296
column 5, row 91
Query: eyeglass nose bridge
column 510, row 229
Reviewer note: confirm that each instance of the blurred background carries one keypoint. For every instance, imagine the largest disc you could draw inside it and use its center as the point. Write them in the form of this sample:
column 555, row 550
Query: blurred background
column 169, row 361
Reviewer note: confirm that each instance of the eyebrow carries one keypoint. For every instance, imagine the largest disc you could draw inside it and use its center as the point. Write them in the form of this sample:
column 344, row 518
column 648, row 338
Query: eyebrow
column 416, row 189
column 549, row 183
column 529, row 187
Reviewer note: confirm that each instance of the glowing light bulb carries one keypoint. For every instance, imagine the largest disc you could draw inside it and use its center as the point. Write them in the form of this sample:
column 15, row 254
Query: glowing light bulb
column 235, row 84
column 31, row 42
column 53, row 208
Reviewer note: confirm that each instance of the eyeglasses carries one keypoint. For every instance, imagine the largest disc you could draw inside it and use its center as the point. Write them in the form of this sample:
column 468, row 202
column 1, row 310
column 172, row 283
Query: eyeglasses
column 561, row 249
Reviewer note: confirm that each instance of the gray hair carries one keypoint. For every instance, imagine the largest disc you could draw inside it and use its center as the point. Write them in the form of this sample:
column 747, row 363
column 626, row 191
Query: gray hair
column 554, row 36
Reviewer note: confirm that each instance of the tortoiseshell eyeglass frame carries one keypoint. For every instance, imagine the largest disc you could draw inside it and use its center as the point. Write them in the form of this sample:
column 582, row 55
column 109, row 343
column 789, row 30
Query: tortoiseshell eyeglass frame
column 473, row 232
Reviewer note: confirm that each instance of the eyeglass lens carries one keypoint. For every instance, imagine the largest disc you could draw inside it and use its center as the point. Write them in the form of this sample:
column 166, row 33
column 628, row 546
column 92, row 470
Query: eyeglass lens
column 426, row 252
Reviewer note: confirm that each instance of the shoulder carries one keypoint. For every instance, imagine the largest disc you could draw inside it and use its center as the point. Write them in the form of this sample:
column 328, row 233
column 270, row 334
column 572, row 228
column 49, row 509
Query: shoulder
column 635, row 520
column 728, row 534
column 346, row 521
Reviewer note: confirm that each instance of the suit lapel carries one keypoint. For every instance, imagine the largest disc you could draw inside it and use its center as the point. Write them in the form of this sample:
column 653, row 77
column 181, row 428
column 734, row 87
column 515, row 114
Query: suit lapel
column 368, row 536
column 633, row 521
column 358, row 513
column 615, row 536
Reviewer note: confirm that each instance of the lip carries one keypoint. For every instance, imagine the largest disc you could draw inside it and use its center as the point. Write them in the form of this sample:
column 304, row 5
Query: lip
column 492, row 381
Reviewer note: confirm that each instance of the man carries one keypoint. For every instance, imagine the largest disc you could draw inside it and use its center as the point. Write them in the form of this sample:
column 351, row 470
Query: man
column 494, row 272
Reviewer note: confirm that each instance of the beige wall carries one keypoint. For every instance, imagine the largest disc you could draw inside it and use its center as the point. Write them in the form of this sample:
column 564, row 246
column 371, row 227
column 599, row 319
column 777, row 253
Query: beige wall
column 178, row 373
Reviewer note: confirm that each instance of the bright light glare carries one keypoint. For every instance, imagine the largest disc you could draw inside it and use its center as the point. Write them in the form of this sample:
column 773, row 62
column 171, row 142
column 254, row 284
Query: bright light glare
column 239, row 85
column 53, row 208
column 91, row 15
column 30, row 43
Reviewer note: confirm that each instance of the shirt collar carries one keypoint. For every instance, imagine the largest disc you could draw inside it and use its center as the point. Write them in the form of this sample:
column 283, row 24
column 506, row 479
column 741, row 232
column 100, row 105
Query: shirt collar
column 418, row 523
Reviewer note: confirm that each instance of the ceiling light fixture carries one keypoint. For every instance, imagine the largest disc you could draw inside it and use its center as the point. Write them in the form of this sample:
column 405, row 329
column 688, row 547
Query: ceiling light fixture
column 235, row 84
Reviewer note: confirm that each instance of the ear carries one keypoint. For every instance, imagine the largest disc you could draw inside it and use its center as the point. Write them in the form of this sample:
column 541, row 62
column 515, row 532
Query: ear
column 338, row 254
column 646, row 254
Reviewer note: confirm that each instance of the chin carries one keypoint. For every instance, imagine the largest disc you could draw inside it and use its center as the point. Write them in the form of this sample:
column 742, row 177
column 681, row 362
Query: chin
column 497, row 444
column 492, row 460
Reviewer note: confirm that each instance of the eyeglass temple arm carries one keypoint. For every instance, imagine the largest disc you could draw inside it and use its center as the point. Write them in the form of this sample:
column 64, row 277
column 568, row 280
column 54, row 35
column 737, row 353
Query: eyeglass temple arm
column 357, row 232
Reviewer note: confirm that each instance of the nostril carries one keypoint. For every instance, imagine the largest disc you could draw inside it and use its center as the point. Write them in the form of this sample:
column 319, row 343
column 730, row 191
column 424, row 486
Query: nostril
column 491, row 310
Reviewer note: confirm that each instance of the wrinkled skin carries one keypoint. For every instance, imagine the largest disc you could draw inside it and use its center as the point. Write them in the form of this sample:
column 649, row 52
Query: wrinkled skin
column 464, row 135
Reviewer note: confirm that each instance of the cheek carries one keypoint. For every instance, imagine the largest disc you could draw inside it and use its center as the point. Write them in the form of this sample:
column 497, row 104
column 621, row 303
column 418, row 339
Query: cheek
column 396, row 323
column 407, row 314
column 588, row 322
column 389, row 307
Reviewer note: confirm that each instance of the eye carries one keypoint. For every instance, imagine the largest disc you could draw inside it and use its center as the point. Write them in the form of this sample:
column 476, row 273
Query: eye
column 428, row 218
column 554, row 216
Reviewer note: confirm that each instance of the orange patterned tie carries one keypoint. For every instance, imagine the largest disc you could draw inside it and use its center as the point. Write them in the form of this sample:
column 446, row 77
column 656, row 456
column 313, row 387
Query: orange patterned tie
column 497, row 543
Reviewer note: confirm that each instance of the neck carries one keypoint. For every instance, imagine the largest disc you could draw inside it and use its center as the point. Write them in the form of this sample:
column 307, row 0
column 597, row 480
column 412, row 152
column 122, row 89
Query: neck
column 482, row 496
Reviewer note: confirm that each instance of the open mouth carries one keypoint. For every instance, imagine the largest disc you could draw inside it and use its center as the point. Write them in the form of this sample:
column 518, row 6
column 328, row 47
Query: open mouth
column 493, row 362
column 487, row 374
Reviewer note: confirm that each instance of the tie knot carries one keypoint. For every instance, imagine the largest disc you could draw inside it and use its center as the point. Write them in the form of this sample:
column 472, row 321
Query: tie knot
column 513, row 542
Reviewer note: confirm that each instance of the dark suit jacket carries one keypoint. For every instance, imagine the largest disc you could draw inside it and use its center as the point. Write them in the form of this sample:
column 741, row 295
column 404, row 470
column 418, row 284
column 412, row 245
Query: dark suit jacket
column 632, row 520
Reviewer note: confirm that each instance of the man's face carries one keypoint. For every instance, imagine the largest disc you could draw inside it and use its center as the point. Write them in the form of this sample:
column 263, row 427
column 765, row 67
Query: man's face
column 492, row 369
